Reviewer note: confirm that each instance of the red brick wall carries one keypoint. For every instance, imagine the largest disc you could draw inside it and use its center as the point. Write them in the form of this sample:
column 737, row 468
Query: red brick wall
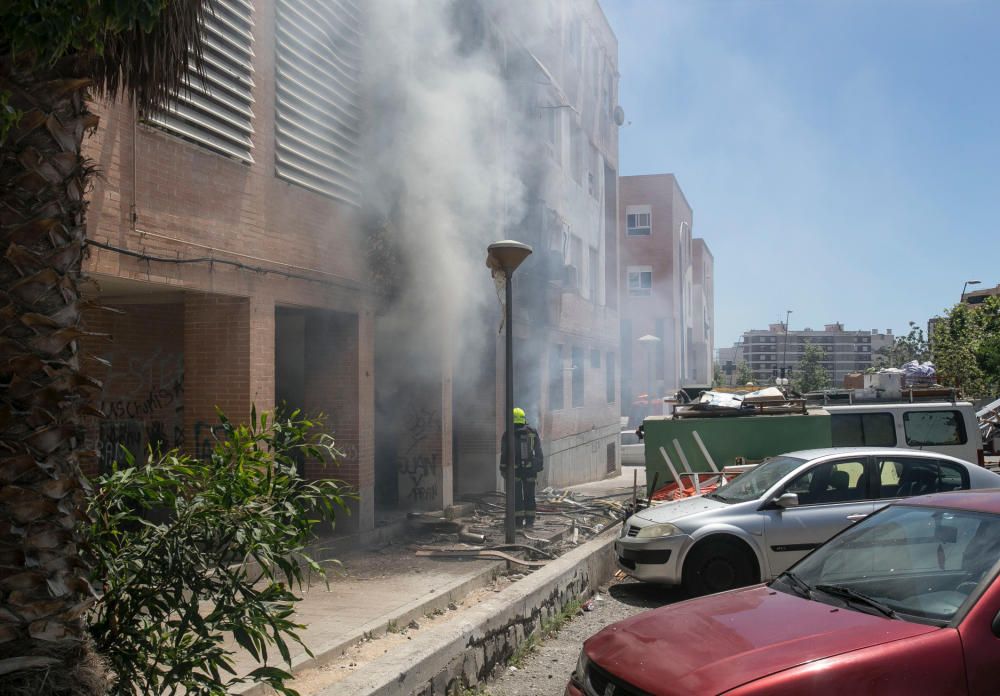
column 143, row 390
column 216, row 365
column 331, row 388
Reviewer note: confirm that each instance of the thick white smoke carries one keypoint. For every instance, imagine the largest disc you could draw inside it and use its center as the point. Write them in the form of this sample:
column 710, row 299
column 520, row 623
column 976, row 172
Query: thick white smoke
column 440, row 162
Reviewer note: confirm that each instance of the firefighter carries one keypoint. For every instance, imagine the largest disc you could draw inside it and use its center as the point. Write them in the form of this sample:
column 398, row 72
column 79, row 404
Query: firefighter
column 527, row 465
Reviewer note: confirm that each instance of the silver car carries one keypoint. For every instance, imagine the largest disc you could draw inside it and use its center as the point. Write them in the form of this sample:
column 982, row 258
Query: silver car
column 760, row 523
column 633, row 449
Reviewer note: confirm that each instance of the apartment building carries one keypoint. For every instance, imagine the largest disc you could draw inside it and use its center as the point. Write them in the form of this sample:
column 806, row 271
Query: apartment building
column 233, row 237
column 566, row 293
column 773, row 352
column 667, row 290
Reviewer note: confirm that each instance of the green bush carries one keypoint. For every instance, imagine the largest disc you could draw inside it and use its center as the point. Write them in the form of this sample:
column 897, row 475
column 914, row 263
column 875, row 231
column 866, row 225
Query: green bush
column 191, row 552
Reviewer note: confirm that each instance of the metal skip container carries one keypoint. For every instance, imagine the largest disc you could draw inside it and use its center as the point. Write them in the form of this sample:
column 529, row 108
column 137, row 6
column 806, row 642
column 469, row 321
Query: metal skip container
column 675, row 446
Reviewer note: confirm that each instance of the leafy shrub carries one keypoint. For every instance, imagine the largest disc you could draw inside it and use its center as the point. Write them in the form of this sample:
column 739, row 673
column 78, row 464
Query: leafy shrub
column 191, row 552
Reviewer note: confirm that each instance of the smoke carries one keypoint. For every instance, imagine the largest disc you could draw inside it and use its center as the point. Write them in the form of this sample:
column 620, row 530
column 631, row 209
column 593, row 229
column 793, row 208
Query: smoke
column 440, row 175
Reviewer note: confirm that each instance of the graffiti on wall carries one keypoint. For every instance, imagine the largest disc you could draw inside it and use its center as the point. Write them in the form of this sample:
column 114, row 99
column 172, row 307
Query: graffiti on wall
column 419, row 460
column 143, row 403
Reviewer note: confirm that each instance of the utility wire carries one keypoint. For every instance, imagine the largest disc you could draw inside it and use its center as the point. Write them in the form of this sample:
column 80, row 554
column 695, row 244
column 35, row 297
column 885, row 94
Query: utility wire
column 212, row 260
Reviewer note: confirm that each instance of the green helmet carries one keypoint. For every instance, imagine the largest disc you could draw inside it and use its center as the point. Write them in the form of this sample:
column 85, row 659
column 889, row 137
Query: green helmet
column 519, row 418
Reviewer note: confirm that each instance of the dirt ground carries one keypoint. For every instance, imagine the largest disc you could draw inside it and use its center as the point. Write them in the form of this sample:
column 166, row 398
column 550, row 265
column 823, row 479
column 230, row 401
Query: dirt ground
column 545, row 671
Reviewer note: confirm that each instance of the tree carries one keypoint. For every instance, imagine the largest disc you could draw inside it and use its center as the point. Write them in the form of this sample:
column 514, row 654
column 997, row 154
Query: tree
column 718, row 375
column 744, row 374
column 903, row 349
column 51, row 54
column 966, row 348
column 233, row 541
column 810, row 375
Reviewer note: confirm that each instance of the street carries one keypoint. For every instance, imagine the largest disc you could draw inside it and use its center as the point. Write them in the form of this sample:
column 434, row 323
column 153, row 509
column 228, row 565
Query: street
column 544, row 671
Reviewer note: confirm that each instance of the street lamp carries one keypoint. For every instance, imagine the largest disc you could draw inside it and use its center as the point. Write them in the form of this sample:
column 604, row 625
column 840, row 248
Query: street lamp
column 504, row 257
column 649, row 341
column 784, row 352
column 967, row 284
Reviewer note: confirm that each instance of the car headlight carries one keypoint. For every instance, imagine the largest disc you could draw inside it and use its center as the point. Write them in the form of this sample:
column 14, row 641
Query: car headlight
column 580, row 672
column 657, row 530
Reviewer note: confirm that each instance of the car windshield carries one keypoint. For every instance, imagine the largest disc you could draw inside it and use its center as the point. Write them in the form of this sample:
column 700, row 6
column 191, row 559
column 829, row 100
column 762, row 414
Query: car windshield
column 908, row 562
column 754, row 483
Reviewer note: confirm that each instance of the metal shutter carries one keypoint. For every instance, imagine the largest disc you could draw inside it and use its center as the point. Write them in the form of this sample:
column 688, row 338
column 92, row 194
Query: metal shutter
column 317, row 110
column 217, row 112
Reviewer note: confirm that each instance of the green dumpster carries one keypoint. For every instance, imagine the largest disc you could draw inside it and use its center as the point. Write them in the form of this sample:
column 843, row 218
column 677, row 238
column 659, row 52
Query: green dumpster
column 688, row 443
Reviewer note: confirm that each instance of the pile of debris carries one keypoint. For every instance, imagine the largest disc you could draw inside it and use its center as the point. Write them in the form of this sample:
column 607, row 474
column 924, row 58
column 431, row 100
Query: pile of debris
column 989, row 425
column 475, row 530
column 769, row 400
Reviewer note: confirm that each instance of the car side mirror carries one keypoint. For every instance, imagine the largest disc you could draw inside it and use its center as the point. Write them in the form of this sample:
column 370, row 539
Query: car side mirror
column 786, row 500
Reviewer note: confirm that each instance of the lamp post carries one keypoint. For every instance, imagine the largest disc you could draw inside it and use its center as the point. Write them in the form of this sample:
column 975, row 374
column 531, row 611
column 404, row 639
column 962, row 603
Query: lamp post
column 504, row 257
column 649, row 341
column 967, row 284
column 784, row 352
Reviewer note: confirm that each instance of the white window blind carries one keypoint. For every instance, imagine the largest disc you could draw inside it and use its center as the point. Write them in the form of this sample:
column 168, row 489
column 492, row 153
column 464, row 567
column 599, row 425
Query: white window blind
column 317, row 118
column 217, row 111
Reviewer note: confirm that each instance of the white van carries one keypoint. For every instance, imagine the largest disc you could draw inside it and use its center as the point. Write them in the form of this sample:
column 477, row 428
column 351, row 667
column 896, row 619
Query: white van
column 939, row 426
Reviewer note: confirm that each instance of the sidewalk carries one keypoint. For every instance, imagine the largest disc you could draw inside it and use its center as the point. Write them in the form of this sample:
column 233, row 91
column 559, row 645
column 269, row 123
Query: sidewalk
column 382, row 590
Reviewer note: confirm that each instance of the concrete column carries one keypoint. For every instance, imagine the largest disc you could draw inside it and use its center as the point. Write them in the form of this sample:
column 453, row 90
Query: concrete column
column 447, row 426
column 262, row 352
column 366, row 420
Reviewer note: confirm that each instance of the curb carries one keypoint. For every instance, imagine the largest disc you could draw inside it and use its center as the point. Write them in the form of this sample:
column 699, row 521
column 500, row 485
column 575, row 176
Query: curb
column 440, row 599
column 465, row 652
column 455, row 591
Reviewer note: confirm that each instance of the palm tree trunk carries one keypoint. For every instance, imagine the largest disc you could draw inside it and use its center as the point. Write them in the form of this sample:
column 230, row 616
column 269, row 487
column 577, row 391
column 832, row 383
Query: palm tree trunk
column 44, row 648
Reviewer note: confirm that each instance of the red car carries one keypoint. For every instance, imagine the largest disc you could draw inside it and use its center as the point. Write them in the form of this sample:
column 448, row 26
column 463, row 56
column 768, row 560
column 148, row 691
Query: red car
column 905, row 602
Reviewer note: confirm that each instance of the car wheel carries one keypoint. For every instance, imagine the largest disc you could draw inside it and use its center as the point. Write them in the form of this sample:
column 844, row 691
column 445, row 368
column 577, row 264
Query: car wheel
column 716, row 567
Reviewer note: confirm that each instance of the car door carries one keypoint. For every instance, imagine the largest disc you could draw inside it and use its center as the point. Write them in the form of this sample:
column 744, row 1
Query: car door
column 832, row 495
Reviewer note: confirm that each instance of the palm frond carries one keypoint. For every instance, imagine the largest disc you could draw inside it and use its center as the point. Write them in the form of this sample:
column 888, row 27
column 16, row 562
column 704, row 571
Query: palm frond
column 148, row 65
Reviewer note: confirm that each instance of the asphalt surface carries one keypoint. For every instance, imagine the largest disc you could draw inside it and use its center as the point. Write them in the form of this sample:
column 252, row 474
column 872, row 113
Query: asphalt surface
column 545, row 671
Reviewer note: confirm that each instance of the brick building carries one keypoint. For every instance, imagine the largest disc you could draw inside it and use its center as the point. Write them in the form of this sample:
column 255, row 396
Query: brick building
column 229, row 236
column 667, row 290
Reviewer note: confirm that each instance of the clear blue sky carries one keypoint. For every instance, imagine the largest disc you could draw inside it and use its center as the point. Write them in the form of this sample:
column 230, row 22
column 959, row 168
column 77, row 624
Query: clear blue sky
column 841, row 156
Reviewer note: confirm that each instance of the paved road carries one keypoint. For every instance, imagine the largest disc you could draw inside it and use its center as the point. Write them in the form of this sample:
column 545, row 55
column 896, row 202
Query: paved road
column 545, row 671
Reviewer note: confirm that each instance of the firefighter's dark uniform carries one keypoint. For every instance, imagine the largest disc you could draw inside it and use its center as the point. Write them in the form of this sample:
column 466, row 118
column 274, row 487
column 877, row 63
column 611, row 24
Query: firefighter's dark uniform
column 528, row 464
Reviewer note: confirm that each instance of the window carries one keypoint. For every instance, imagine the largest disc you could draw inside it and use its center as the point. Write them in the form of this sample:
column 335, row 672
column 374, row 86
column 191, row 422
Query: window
column 921, row 562
column 929, row 428
column 833, row 482
column 640, row 280
column 555, row 378
column 576, row 258
column 579, row 371
column 216, row 112
column 576, row 152
column 592, row 273
column 595, row 359
column 609, row 377
column 553, row 116
column 317, row 85
column 863, row 430
column 638, row 220
column 902, row 477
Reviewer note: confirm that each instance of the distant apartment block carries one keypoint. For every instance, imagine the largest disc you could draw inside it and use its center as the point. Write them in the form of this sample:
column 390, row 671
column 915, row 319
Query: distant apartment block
column 667, row 290
column 772, row 352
